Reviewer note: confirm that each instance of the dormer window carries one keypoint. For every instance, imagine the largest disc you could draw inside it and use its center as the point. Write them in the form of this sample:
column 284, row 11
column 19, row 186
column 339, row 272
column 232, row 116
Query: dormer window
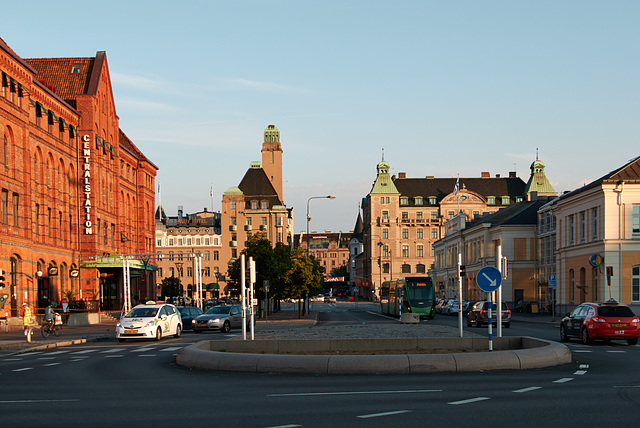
column 418, row 200
column 491, row 200
column 432, row 200
column 75, row 69
column 506, row 200
column 404, row 200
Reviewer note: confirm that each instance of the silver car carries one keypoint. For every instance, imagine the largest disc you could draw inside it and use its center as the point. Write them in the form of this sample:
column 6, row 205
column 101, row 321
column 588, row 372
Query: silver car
column 222, row 318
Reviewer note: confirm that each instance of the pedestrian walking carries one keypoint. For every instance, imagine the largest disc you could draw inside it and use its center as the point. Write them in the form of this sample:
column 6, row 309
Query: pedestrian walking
column 26, row 321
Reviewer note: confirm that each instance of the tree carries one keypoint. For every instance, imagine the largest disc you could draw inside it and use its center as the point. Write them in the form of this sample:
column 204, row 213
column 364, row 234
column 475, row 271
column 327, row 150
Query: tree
column 340, row 271
column 304, row 275
column 171, row 287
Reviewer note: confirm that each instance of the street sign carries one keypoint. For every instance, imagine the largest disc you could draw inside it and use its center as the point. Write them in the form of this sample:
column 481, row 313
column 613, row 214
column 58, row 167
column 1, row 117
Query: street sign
column 489, row 279
column 552, row 281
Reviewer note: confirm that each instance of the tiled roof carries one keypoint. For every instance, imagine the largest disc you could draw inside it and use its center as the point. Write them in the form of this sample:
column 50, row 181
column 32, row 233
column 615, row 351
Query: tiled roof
column 522, row 213
column 57, row 74
column 629, row 173
column 256, row 185
column 441, row 187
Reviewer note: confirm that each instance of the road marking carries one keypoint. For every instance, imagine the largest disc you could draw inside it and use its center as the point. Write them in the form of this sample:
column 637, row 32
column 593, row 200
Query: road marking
column 147, row 355
column 582, row 351
column 584, row 366
column 114, row 356
column 23, row 369
column 377, row 415
column 51, row 364
column 617, row 352
column 563, row 380
column 46, row 358
column 35, row 401
column 110, row 351
column 57, row 352
column 145, row 349
column 285, row 426
column 305, row 394
column 531, row 388
column 86, row 351
column 173, row 348
column 470, row 400
column 12, row 359
column 580, row 372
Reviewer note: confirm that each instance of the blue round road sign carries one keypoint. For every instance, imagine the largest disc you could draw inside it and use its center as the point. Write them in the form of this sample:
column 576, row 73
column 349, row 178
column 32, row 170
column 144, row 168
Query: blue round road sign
column 489, row 279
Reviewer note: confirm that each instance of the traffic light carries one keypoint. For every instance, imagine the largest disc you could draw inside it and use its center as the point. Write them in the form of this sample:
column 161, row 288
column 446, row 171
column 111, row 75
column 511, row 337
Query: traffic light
column 1, row 278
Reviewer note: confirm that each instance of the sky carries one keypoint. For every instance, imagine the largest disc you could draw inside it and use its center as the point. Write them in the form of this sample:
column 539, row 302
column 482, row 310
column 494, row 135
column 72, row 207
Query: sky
column 442, row 88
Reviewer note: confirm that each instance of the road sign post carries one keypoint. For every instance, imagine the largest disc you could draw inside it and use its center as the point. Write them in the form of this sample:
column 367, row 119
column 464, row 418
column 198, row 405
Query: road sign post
column 489, row 280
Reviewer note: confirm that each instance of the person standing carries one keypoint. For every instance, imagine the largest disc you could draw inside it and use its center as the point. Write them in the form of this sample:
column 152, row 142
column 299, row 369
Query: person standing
column 26, row 321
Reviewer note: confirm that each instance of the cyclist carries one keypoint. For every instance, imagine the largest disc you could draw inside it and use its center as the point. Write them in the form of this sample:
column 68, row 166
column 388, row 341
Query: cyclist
column 48, row 316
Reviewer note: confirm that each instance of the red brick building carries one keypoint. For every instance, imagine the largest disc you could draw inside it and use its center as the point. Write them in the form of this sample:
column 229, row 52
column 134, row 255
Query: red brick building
column 75, row 191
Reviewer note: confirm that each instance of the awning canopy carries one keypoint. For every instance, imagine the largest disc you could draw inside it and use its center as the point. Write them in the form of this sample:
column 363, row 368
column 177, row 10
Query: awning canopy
column 114, row 261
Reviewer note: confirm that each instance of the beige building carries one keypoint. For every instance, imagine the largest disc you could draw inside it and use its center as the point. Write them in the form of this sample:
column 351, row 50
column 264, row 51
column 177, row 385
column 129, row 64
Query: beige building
column 403, row 217
column 596, row 232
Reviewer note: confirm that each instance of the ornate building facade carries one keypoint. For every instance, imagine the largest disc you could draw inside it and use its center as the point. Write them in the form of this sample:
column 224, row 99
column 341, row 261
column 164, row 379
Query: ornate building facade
column 74, row 187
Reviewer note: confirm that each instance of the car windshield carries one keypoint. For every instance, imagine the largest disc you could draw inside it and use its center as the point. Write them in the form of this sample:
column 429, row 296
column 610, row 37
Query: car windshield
column 615, row 311
column 219, row 310
column 142, row 312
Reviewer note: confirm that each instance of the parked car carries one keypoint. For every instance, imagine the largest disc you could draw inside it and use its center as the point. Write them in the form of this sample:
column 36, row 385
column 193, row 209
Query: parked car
column 608, row 321
column 453, row 307
column 479, row 314
column 329, row 299
column 188, row 313
column 222, row 318
column 467, row 307
column 441, row 305
column 149, row 321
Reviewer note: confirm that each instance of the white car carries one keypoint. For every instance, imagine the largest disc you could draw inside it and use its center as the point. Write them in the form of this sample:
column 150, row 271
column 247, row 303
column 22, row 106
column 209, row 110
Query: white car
column 150, row 321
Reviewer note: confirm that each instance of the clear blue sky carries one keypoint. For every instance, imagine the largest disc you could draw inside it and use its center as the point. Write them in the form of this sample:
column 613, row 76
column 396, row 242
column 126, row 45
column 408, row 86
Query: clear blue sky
column 445, row 87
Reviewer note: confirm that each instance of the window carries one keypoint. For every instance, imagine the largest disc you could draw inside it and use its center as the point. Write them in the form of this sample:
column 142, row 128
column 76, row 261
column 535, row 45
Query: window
column 419, row 233
column 159, row 242
column 405, row 233
column 419, row 215
column 594, row 224
column 179, row 255
column 387, row 199
column 420, row 251
column 405, row 251
column 406, row 268
column 450, row 214
column 385, row 215
column 570, row 230
column 75, row 69
column 432, row 200
column 3, row 205
column 385, row 268
column 171, row 242
column 506, row 200
column 635, row 283
column 491, row 200
column 420, row 268
column 385, row 233
column 434, row 233
column 171, row 256
column 385, row 251
column 418, row 201
column 179, row 242
column 233, row 205
column 582, row 226
column 434, row 214
column 188, row 241
column 635, row 220
column 382, row 200
column 207, row 256
column 254, row 205
column 216, row 255
column 404, row 201
column 405, row 215
column 198, row 241
column 264, row 205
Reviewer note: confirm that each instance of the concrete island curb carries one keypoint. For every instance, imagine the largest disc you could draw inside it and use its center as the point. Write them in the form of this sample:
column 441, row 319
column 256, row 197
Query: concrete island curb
column 454, row 355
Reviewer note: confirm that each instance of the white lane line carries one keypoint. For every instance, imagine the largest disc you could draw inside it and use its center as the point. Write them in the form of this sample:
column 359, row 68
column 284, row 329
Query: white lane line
column 86, row 351
column 531, row 388
column 305, row 394
column 581, row 351
column 114, row 356
column 12, row 359
column 110, row 351
column 617, row 352
column 46, row 358
column 285, row 426
column 377, row 415
column 563, row 380
column 470, row 400
column 35, row 401
column 142, row 349
column 147, row 355
column 22, row 369
column 57, row 352
column 580, row 372
column 173, row 348
column 584, row 366
column 51, row 364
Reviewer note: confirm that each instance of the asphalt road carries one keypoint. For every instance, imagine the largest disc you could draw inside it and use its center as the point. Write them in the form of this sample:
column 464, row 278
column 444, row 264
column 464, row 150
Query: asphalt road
column 138, row 384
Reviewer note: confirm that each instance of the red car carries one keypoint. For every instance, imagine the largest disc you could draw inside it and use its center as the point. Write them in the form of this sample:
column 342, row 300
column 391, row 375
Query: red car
column 607, row 321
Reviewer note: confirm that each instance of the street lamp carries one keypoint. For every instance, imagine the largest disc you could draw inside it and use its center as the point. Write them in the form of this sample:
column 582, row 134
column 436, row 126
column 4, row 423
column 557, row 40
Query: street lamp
column 309, row 218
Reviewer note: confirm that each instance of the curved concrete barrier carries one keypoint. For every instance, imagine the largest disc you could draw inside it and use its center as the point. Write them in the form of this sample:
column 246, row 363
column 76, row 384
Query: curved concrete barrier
column 394, row 356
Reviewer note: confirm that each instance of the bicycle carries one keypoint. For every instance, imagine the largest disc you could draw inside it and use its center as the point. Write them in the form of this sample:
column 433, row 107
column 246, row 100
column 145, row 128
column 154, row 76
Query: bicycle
column 50, row 327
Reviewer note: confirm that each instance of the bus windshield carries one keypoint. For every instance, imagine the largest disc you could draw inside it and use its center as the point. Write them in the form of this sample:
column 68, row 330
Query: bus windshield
column 422, row 290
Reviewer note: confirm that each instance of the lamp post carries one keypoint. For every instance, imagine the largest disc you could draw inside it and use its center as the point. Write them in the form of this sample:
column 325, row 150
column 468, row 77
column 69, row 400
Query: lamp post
column 309, row 218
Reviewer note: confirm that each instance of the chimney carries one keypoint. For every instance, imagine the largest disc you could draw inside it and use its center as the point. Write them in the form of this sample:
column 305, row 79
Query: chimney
column 402, row 175
column 497, row 175
column 485, row 174
column 512, row 174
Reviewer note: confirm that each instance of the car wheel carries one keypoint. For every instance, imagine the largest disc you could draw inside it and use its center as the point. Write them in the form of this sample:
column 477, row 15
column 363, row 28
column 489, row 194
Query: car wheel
column 633, row 341
column 585, row 336
column 158, row 334
column 563, row 334
column 226, row 326
column 178, row 331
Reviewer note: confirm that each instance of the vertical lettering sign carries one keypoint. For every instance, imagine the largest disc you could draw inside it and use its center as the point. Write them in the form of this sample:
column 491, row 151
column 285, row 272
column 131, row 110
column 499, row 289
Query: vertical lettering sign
column 86, row 184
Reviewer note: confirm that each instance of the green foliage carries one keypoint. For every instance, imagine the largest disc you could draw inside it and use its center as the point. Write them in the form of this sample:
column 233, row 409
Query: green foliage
column 171, row 287
column 340, row 272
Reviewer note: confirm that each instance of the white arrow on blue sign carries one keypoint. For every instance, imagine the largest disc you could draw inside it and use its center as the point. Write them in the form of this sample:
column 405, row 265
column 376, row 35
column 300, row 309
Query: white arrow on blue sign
column 489, row 279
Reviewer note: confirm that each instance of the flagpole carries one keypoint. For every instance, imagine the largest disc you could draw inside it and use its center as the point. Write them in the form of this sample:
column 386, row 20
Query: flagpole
column 211, row 197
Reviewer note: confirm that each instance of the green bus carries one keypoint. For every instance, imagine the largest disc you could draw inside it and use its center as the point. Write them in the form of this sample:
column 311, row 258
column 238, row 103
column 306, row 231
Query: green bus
column 414, row 294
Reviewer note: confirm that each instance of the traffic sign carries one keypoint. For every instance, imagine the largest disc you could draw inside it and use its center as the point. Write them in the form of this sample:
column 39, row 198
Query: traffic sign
column 552, row 281
column 489, row 279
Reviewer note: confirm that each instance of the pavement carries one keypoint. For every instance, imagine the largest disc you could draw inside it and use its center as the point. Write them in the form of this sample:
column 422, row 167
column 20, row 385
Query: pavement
column 13, row 341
